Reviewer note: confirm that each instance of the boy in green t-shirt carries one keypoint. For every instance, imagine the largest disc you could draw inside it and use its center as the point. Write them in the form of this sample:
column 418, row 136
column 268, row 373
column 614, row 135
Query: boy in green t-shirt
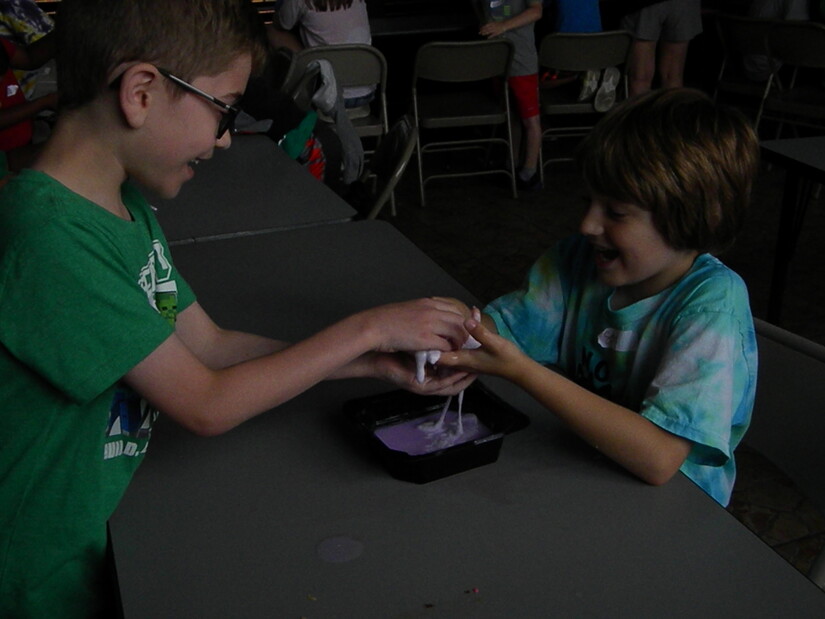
column 96, row 323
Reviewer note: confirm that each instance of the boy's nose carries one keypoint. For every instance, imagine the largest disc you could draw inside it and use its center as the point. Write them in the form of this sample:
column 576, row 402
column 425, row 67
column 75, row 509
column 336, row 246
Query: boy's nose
column 591, row 222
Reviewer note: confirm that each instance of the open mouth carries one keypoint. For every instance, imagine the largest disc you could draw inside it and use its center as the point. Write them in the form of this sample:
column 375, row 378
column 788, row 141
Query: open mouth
column 605, row 256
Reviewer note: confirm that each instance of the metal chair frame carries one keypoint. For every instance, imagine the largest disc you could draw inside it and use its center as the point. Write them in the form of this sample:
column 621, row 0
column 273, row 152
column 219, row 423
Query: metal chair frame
column 740, row 37
column 389, row 162
column 462, row 63
column 796, row 45
column 353, row 65
column 578, row 52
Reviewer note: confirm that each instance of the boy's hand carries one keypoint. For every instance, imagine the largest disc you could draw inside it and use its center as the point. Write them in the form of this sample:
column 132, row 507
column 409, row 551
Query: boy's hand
column 496, row 356
column 492, row 29
column 399, row 369
column 423, row 324
column 459, row 306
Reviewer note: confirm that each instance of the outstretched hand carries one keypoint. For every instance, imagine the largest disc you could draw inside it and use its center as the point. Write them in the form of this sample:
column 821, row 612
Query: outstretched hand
column 400, row 370
column 492, row 29
column 497, row 356
column 422, row 324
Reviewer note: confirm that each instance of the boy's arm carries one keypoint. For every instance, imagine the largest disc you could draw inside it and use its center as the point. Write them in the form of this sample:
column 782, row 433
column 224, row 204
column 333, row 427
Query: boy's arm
column 35, row 55
column 210, row 380
column 640, row 446
column 12, row 115
column 529, row 15
column 219, row 348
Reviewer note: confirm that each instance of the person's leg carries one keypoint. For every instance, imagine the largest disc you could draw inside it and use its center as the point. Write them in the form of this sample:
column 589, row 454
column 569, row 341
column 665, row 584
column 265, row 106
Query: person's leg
column 671, row 63
column 641, row 66
column 279, row 38
column 526, row 93
column 532, row 142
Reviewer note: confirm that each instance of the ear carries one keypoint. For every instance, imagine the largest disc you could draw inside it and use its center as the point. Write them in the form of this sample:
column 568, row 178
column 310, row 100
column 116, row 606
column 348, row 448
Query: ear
column 139, row 90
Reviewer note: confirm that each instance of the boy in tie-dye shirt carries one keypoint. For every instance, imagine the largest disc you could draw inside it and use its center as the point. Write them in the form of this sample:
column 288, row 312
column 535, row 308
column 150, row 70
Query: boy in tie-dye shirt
column 650, row 337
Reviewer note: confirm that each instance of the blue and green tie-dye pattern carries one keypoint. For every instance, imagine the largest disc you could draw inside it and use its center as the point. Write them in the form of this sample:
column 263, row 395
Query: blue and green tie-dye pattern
column 684, row 358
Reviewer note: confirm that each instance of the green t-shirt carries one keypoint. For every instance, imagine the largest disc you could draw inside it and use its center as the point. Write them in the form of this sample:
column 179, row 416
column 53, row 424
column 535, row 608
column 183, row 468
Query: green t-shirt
column 84, row 297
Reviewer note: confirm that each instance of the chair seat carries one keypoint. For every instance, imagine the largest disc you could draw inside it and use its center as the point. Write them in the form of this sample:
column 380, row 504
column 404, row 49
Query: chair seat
column 453, row 88
column 808, row 102
column 368, row 126
column 740, row 85
column 459, row 109
column 554, row 102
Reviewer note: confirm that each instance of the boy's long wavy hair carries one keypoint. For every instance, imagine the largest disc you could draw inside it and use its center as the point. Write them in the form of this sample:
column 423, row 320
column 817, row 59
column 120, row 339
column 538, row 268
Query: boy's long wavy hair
column 190, row 38
column 676, row 153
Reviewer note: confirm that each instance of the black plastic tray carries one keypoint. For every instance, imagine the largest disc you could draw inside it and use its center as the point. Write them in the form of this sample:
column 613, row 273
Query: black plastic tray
column 373, row 412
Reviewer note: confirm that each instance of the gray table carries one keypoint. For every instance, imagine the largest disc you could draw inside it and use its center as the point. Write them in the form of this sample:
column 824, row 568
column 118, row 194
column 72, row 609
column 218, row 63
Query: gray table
column 241, row 525
column 804, row 162
column 250, row 188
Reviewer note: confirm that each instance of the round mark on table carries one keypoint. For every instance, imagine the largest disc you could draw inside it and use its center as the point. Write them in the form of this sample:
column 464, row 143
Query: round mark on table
column 340, row 549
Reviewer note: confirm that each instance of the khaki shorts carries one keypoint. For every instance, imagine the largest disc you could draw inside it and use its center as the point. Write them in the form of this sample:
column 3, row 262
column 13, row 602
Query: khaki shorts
column 672, row 20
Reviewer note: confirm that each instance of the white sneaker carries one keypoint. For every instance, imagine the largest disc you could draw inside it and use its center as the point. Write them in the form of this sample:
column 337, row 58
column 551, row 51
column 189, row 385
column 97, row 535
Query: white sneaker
column 590, row 82
column 606, row 95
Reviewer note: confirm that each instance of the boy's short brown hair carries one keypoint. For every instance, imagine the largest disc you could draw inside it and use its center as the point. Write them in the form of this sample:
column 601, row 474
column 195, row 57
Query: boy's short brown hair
column 189, row 38
column 681, row 156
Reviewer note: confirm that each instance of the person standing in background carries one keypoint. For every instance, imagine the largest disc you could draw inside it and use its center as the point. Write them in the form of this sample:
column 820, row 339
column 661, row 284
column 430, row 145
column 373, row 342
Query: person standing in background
column 577, row 16
column 325, row 22
column 515, row 20
column 661, row 35
column 23, row 23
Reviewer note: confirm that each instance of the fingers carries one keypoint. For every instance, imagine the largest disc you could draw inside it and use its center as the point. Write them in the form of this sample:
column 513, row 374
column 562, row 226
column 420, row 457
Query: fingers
column 464, row 359
column 450, row 383
column 436, row 323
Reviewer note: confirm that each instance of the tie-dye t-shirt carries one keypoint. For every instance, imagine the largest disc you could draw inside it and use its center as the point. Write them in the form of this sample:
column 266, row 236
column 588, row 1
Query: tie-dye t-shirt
column 684, row 358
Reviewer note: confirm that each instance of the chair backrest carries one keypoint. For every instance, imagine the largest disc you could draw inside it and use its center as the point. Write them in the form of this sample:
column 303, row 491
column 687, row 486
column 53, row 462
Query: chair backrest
column 390, row 159
column 788, row 425
column 744, row 35
column 353, row 64
column 569, row 51
column 798, row 43
column 462, row 61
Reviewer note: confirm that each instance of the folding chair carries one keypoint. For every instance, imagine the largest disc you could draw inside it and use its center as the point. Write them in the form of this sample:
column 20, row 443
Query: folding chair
column 788, row 426
column 386, row 167
column 799, row 101
column 451, row 89
column 578, row 52
column 353, row 65
column 741, row 38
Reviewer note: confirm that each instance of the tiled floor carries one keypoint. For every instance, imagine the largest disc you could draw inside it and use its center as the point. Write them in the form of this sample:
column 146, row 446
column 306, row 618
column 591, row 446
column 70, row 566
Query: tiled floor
column 486, row 239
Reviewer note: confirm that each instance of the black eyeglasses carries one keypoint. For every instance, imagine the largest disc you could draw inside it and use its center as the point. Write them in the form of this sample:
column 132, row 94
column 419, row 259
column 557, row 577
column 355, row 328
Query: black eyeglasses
column 228, row 113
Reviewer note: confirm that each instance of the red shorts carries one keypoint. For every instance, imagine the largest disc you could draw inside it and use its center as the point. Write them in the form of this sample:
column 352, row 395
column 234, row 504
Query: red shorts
column 525, row 90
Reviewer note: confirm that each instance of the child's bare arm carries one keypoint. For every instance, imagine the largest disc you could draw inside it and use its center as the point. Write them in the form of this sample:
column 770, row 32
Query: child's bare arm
column 35, row 55
column 211, row 381
column 640, row 446
column 496, row 28
column 12, row 115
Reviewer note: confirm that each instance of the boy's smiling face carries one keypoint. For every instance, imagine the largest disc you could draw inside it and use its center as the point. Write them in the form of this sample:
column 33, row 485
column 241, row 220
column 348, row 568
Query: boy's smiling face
column 630, row 253
column 185, row 125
